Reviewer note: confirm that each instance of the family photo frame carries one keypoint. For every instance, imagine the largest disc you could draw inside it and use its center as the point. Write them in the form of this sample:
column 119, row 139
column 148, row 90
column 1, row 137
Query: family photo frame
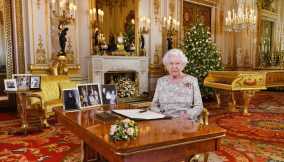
column 22, row 81
column 71, row 101
column 109, row 94
column 89, row 95
column 35, row 82
column 10, row 85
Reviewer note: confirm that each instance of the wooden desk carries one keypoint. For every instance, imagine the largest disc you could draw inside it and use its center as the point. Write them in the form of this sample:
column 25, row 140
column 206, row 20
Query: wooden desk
column 158, row 140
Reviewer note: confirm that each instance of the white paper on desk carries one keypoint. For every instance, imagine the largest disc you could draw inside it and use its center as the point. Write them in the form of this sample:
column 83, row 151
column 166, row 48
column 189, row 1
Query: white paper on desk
column 137, row 114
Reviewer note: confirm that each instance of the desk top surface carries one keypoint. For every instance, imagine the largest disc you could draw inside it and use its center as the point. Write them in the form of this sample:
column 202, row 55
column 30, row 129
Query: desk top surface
column 152, row 133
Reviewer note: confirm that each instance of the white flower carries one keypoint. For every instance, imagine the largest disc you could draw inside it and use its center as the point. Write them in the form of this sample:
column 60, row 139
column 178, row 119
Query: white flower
column 125, row 125
column 126, row 120
column 112, row 129
column 130, row 131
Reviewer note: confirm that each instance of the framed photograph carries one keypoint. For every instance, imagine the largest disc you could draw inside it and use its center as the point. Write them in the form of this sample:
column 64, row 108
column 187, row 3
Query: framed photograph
column 109, row 94
column 71, row 101
column 23, row 81
column 10, row 85
column 89, row 95
column 35, row 82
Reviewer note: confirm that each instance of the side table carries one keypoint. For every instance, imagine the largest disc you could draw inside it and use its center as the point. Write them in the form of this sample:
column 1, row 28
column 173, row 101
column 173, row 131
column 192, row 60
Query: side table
column 31, row 118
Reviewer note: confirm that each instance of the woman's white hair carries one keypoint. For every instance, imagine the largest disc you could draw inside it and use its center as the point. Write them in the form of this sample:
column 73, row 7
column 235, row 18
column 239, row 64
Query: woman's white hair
column 174, row 53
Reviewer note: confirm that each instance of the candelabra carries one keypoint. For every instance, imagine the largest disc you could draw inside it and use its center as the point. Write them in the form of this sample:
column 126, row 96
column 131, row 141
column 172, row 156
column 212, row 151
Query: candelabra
column 143, row 29
column 144, row 25
column 171, row 26
column 64, row 11
column 241, row 17
column 96, row 17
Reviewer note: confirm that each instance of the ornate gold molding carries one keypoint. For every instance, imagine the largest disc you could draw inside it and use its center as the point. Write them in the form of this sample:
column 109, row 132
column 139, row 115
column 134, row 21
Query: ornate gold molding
column 69, row 52
column 157, row 55
column 20, row 36
column 40, row 52
column 209, row 3
column 7, row 16
column 157, row 68
column 157, row 6
column 172, row 7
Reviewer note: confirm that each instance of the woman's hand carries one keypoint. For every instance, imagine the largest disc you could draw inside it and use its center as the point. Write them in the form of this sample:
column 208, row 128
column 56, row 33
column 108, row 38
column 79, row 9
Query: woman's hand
column 183, row 115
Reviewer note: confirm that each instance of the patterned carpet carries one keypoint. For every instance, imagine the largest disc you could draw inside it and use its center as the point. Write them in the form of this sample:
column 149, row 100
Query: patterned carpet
column 258, row 137
column 51, row 145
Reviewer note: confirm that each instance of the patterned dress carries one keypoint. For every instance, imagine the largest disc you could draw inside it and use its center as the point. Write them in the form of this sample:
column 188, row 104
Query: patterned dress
column 176, row 98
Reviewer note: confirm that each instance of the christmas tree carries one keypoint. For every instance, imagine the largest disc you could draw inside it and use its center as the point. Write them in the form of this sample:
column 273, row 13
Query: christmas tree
column 129, row 36
column 129, row 33
column 202, row 54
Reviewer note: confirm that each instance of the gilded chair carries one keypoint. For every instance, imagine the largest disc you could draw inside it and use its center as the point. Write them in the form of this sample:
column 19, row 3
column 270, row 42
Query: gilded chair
column 50, row 95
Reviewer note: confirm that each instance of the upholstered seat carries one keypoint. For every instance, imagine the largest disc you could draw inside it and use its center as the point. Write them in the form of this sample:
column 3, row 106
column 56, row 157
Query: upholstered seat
column 50, row 93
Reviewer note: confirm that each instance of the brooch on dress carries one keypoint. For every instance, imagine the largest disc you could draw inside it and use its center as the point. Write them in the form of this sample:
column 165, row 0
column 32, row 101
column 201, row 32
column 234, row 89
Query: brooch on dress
column 188, row 85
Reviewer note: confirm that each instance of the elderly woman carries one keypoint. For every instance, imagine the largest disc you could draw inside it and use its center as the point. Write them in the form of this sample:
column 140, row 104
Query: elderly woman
column 177, row 94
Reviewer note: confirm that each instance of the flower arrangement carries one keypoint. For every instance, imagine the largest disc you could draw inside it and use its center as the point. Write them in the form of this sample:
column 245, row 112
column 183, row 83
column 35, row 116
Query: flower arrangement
column 123, row 130
column 126, row 87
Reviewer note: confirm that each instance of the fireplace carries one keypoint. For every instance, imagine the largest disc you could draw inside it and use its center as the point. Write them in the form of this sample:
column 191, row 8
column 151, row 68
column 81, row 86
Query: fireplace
column 126, row 82
column 104, row 69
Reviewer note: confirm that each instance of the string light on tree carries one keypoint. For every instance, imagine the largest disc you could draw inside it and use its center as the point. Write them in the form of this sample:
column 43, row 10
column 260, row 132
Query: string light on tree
column 202, row 54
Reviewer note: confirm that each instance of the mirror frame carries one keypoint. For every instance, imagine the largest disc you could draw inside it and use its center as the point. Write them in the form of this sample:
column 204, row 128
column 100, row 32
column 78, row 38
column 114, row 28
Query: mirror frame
column 8, row 40
column 268, row 15
column 137, row 34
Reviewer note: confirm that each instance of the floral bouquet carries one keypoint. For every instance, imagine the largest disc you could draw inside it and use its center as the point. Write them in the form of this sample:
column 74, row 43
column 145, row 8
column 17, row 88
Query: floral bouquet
column 126, row 87
column 123, row 130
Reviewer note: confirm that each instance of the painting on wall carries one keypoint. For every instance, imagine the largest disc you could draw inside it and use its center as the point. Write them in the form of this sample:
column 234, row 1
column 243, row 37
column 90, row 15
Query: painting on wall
column 268, row 5
column 194, row 13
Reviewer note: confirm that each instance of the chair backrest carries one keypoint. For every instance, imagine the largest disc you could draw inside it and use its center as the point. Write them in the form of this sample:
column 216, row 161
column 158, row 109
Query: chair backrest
column 50, row 86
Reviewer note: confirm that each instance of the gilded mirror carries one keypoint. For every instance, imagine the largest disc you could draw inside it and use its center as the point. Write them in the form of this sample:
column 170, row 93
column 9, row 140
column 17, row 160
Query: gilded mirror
column 2, row 44
column 6, row 49
column 114, row 27
column 268, row 41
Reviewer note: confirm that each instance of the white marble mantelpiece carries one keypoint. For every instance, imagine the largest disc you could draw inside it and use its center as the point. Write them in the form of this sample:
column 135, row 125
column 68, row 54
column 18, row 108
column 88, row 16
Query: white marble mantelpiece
column 99, row 65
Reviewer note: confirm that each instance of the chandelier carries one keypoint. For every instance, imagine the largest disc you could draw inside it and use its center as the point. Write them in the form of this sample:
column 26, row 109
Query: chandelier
column 241, row 17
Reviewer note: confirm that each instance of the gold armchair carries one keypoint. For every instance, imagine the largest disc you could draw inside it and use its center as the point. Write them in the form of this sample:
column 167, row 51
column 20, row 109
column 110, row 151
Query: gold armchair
column 50, row 94
column 204, row 117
